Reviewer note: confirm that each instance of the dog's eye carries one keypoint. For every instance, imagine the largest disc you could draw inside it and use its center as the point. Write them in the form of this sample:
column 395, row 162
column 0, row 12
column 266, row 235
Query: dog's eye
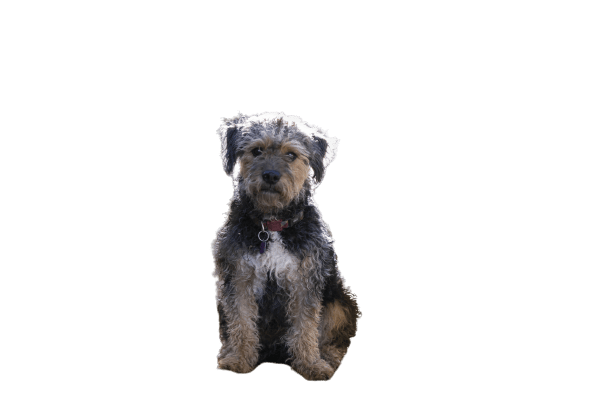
column 292, row 156
column 256, row 151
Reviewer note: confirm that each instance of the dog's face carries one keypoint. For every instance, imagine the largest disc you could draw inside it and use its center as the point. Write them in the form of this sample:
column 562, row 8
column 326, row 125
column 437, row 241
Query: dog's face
column 274, row 171
column 275, row 156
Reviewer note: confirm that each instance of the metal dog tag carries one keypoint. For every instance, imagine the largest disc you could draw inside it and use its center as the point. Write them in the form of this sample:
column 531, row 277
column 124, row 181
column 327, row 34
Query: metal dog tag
column 262, row 246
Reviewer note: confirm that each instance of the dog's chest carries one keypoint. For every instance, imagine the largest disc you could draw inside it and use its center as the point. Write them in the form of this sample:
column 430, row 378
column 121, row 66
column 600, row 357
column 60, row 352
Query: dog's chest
column 276, row 261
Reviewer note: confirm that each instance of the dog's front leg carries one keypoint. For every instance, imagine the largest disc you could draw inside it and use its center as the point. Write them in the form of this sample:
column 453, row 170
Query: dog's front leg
column 302, row 338
column 239, row 352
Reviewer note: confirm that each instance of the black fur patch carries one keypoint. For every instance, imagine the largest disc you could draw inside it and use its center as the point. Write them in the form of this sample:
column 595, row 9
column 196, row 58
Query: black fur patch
column 231, row 150
column 272, row 323
column 222, row 323
column 300, row 238
column 316, row 161
column 227, row 292
column 332, row 290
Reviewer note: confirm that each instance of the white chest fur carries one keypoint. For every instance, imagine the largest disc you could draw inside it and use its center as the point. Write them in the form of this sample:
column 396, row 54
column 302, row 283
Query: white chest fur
column 277, row 261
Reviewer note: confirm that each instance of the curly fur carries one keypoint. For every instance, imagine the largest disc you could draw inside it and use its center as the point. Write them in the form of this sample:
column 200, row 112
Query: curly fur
column 288, row 305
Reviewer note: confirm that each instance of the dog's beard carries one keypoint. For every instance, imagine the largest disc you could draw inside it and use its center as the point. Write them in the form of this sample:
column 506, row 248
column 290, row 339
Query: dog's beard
column 271, row 199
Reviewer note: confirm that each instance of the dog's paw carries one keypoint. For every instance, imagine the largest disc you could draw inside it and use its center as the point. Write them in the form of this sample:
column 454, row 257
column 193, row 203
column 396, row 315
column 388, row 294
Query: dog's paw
column 235, row 364
column 332, row 355
column 318, row 371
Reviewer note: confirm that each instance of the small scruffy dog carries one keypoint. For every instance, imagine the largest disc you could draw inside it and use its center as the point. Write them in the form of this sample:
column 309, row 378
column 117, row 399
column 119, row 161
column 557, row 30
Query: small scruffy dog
column 280, row 296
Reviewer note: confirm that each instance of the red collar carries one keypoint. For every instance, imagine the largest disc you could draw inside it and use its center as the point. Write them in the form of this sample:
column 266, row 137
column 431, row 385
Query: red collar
column 276, row 225
column 279, row 225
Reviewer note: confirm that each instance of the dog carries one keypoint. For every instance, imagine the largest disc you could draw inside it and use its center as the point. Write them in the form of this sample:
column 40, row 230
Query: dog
column 280, row 296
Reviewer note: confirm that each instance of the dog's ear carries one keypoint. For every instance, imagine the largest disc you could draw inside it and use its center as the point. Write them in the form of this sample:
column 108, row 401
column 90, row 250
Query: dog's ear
column 230, row 133
column 230, row 154
column 319, row 149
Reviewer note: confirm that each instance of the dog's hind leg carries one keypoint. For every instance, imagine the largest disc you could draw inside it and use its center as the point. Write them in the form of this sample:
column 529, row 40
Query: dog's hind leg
column 333, row 319
column 337, row 325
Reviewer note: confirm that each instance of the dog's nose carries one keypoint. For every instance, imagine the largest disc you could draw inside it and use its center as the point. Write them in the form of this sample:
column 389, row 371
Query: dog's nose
column 271, row 176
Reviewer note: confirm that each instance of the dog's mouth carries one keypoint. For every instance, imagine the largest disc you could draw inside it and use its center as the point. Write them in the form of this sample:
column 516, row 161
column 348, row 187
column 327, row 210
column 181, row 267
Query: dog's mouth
column 269, row 187
column 268, row 190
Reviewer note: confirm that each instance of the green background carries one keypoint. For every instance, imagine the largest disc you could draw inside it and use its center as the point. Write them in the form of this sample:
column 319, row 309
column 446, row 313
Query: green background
column 470, row 198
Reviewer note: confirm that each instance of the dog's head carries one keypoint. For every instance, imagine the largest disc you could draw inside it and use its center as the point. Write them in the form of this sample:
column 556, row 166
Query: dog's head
column 280, row 157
